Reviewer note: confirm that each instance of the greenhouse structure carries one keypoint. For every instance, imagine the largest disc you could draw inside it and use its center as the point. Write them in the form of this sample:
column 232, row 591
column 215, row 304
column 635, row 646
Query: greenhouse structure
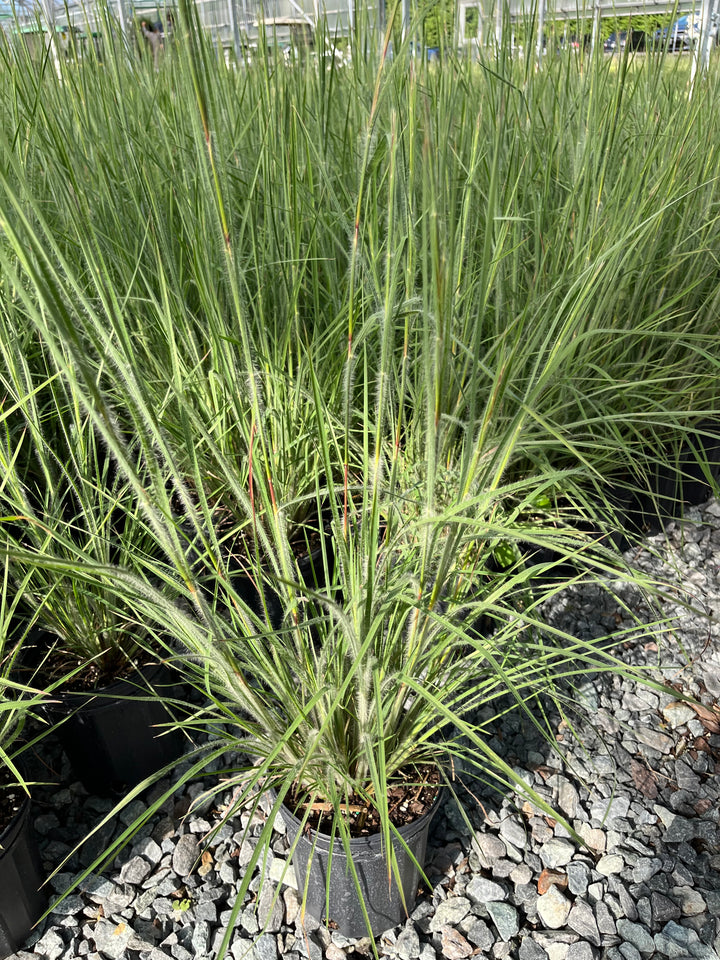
column 237, row 25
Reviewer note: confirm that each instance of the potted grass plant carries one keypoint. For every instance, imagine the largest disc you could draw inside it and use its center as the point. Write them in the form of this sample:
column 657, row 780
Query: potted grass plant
column 364, row 702
column 363, row 699
column 22, row 899
column 449, row 362
column 62, row 501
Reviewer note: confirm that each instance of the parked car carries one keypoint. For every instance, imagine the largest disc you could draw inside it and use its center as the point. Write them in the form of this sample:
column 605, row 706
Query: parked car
column 616, row 42
column 681, row 35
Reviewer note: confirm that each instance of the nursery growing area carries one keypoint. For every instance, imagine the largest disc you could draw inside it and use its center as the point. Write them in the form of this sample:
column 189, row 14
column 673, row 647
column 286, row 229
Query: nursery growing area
column 324, row 387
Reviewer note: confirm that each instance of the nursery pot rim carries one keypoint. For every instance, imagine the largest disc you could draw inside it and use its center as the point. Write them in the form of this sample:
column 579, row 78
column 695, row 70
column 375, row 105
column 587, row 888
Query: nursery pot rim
column 323, row 840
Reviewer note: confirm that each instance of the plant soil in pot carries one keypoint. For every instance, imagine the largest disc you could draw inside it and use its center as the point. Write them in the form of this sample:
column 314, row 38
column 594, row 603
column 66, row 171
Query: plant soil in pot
column 322, row 871
column 22, row 899
column 117, row 736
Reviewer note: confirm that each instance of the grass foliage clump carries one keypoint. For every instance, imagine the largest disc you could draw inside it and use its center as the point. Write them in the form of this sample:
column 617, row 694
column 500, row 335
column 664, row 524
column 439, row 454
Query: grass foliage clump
column 415, row 317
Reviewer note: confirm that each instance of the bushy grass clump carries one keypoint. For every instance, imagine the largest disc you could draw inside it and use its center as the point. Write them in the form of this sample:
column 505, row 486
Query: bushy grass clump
column 551, row 231
column 428, row 310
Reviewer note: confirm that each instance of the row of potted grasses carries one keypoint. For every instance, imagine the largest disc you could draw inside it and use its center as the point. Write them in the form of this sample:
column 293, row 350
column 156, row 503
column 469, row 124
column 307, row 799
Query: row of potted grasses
column 316, row 376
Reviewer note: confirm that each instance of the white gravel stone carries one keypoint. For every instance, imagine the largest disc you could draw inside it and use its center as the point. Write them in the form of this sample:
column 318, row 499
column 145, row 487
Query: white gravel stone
column 112, row 939
column 50, row 945
column 610, row 864
column 678, row 714
column 568, row 799
column 553, row 908
column 690, row 901
column 594, row 838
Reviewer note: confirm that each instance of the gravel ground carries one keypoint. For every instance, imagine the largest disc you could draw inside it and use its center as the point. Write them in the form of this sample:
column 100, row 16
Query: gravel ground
column 639, row 782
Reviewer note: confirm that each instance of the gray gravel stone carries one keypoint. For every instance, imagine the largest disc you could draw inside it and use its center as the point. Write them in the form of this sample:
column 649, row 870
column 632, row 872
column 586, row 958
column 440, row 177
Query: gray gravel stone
column 97, row 887
column 207, row 911
column 578, row 875
column 481, row 890
column 450, row 912
column 265, row 948
column 604, row 919
column 674, row 941
column 505, row 918
column 489, row 848
column 663, row 908
column 149, row 850
column 69, row 906
column 637, row 935
column 270, row 909
column 646, row 868
column 135, row 871
column 407, row 945
column 513, row 832
column 479, row 934
column 582, row 920
column 530, row 949
column 580, row 951
column 117, row 900
column 185, row 854
column 556, row 853
column 525, row 896
column 678, row 828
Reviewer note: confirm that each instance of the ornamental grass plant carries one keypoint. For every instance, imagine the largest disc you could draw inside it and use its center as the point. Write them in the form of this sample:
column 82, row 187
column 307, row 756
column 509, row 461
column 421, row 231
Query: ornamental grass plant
column 433, row 307
column 18, row 702
column 62, row 501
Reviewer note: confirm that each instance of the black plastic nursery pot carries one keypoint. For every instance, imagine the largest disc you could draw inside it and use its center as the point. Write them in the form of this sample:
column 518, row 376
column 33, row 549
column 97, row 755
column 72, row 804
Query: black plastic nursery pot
column 22, row 899
column 321, row 866
column 117, row 736
column 684, row 479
